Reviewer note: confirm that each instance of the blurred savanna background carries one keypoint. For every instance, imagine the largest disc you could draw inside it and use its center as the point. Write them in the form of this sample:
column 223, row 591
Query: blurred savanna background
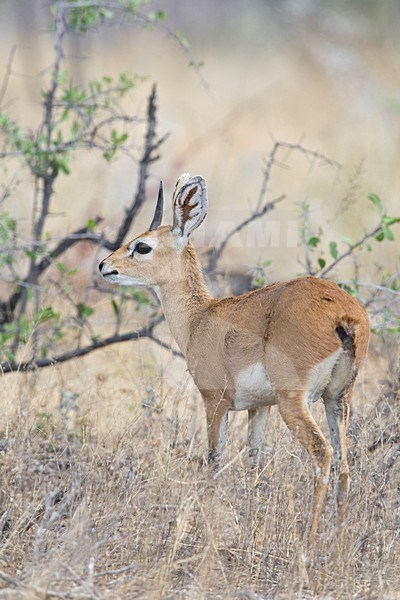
column 291, row 112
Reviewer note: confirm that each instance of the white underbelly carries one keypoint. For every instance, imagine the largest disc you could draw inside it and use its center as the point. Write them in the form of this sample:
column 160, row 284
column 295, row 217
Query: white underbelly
column 253, row 388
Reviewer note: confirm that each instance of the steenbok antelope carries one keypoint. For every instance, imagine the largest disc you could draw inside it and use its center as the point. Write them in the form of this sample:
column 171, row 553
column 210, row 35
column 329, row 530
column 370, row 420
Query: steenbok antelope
column 288, row 343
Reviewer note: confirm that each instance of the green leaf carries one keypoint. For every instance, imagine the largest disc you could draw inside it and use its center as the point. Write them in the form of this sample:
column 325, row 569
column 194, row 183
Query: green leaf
column 125, row 83
column 393, row 329
column 313, row 241
column 348, row 289
column 321, row 263
column 62, row 164
column 24, row 329
column 61, row 267
column 141, row 297
column 84, row 17
column 45, row 314
column 118, row 139
column 84, row 311
column 108, row 155
column 258, row 282
column 115, row 308
column 380, row 236
column 388, row 233
column 95, row 87
column 376, row 201
column 182, row 39
column 8, row 227
column 346, row 240
column 390, row 220
column 333, row 250
column 31, row 254
column 90, row 224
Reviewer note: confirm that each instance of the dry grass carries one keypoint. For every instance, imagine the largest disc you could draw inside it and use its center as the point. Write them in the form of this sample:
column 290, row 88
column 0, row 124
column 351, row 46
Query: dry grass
column 109, row 496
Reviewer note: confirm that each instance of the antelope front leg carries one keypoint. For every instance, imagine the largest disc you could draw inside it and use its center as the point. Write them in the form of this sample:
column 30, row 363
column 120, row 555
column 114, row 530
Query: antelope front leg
column 256, row 428
column 217, row 425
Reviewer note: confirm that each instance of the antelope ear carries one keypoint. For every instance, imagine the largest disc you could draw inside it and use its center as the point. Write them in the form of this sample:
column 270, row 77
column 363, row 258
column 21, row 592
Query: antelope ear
column 189, row 205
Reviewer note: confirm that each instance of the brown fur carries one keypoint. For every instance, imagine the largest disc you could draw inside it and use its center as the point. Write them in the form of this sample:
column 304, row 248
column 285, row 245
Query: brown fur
column 287, row 329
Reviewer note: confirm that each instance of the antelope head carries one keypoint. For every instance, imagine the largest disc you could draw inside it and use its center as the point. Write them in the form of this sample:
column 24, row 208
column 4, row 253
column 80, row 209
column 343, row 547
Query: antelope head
column 151, row 258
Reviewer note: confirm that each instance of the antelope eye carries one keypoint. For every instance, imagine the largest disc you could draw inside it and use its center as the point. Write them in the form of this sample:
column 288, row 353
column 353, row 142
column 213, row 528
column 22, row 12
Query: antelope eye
column 143, row 248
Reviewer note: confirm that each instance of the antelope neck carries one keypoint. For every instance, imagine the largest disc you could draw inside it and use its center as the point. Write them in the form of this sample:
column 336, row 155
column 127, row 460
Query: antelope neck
column 185, row 297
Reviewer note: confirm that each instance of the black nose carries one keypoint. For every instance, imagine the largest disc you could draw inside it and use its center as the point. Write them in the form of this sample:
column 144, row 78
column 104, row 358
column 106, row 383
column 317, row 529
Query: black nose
column 113, row 272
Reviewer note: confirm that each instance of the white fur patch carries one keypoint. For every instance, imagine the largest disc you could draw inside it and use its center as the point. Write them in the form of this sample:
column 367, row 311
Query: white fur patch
column 321, row 375
column 122, row 280
column 342, row 376
column 183, row 179
column 253, row 388
column 148, row 241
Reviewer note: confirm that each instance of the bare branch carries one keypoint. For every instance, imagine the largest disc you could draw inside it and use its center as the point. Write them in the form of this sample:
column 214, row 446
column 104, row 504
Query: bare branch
column 7, row 74
column 77, row 236
column 48, row 123
column 378, row 288
column 8, row 306
column 311, row 155
column 323, row 272
column 145, row 332
column 261, row 207
column 164, row 345
column 195, row 64
column 147, row 158
column 306, row 233
column 216, row 253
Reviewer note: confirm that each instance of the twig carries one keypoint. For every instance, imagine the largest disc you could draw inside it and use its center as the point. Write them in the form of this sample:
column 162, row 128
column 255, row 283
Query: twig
column 42, row 591
column 48, row 178
column 9, row 187
column 323, row 272
column 306, row 234
column 48, row 122
column 147, row 158
column 115, row 571
column 7, row 307
column 9, row 579
column 261, row 207
column 377, row 288
column 7, row 74
column 145, row 332
column 195, row 64
column 257, row 214
column 84, row 233
column 85, row 584
column 311, row 155
column 164, row 345
column 230, row 463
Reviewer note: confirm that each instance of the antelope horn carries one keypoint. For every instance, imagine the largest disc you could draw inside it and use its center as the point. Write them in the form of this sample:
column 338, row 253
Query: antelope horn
column 158, row 213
